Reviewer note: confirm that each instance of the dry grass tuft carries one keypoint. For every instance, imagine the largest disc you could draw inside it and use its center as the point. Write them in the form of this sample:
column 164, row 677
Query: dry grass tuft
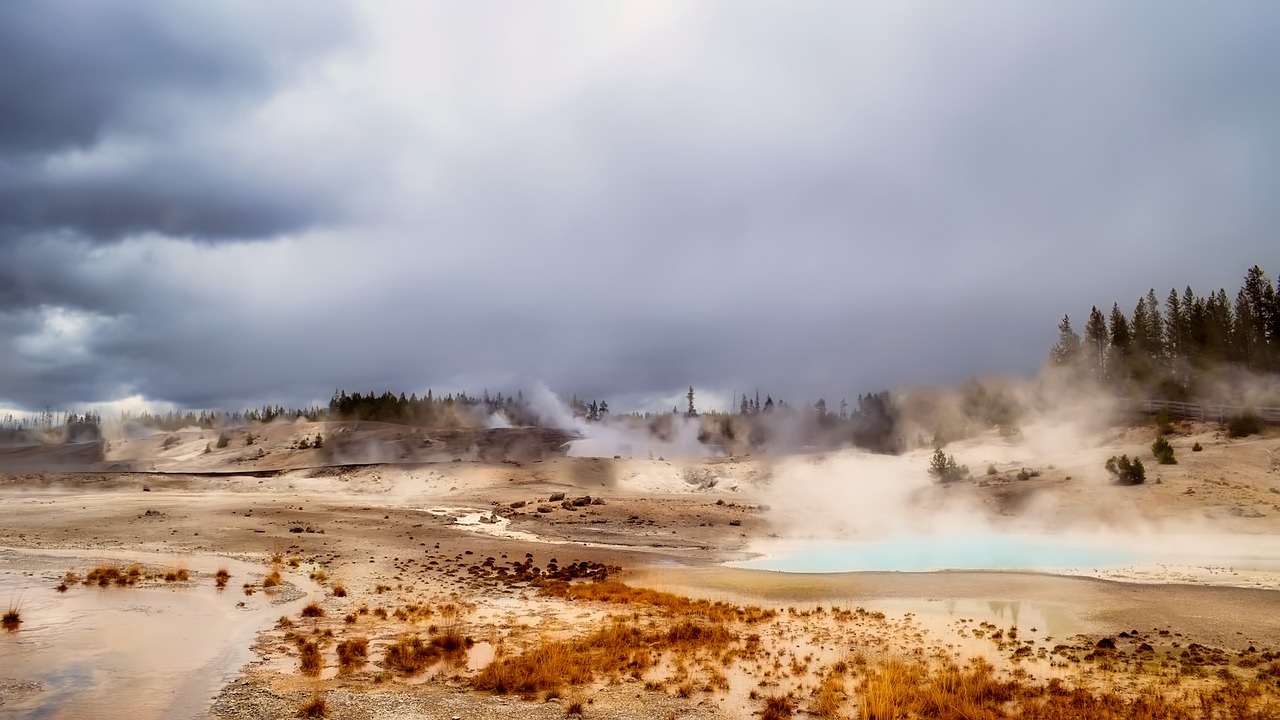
column 612, row 591
column 776, row 707
column 352, row 654
column 315, row 708
column 313, row 610
column 897, row 690
column 309, row 655
column 617, row 649
column 12, row 617
column 221, row 577
column 272, row 579
column 829, row 696
column 107, row 575
column 410, row 655
column 339, row 591
column 174, row 575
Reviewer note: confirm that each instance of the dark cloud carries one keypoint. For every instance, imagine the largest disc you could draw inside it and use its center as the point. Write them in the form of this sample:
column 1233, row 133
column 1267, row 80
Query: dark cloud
column 111, row 115
column 230, row 204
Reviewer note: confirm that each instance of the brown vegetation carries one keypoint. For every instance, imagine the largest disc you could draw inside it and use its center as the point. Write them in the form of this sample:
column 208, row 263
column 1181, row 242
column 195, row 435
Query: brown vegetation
column 352, row 654
column 309, row 655
column 620, row 648
column 312, row 610
column 897, row 689
column 272, row 579
column 221, row 577
column 410, row 655
column 314, row 708
column 106, row 575
column 12, row 617
column 776, row 707
column 612, row 591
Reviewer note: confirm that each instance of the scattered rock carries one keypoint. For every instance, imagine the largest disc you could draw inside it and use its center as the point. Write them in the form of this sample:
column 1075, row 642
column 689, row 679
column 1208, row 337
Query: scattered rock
column 556, row 497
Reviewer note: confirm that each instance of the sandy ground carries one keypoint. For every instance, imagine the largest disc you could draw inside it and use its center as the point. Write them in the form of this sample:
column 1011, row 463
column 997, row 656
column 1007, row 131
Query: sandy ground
column 422, row 543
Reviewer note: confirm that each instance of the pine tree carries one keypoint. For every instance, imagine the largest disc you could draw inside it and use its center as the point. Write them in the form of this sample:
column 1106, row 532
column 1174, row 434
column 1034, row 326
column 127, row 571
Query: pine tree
column 1242, row 331
column 1066, row 351
column 1175, row 326
column 1140, row 327
column 1118, row 352
column 1095, row 342
column 1155, row 330
column 1262, row 300
column 692, row 412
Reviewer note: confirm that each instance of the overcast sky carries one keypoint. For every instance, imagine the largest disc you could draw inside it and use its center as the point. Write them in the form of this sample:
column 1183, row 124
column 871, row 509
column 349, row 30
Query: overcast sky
column 221, row 204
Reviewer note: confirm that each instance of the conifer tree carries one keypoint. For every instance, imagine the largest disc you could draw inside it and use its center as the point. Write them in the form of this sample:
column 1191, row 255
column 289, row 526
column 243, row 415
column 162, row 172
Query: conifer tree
column 1066, row 351
column 1095, row 342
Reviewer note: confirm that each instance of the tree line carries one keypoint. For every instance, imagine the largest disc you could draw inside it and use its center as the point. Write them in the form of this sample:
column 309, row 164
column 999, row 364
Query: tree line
column 1168, row 347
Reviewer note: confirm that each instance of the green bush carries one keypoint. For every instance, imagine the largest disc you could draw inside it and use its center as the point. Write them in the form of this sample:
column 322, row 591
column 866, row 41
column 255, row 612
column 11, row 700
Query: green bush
column 1163, row 451
column 1126, row 471
column 1246, row 423
column 1197, row 447
column 1025, row 474
column 1164, row 425
column 991, row 470
column 944, row 469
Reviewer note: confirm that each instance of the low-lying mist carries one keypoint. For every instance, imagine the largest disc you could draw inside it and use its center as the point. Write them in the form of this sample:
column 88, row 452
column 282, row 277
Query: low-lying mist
column 1042, row 476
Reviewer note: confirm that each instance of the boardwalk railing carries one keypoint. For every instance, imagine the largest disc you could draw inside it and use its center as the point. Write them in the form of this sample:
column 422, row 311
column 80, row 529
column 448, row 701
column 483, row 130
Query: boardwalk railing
column 1209, row 412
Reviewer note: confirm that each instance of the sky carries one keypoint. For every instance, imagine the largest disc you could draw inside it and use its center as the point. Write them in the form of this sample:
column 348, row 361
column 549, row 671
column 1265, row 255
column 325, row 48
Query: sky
column 225, row 204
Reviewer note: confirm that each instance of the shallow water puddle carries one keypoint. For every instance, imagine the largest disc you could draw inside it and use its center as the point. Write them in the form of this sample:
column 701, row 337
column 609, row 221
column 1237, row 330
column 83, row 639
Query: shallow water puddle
column 140, row 652
column 940, row 552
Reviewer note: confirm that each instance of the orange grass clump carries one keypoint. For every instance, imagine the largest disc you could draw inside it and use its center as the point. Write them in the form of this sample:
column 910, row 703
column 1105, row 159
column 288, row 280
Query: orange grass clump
column 612, row 591
column 617, row 649
column 313, row 611
column 410, row 655
column 221, row 577
column 12, row 617
column 352, row 654
column 896, row 690
column 309, row 655
column 776, row 707
column 314, row 708
column 272, row 579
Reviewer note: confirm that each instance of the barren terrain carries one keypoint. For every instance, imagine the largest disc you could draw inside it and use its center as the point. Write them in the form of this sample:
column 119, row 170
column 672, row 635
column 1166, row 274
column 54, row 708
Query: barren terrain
column 490, row 576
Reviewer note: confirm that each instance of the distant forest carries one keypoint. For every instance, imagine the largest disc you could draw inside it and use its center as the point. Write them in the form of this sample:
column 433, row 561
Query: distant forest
column 1189, row 346
column 1182, row 348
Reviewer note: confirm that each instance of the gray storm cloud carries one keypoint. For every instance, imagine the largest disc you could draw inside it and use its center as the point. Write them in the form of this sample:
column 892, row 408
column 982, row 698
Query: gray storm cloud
column 230, row 204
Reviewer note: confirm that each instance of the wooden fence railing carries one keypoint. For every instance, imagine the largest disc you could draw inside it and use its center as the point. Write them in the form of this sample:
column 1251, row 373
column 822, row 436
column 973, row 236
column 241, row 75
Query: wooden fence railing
column 1209, row 412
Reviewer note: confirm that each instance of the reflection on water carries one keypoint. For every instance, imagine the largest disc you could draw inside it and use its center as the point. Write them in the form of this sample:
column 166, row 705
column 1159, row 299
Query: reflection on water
column 141, row 652
column 941, row 552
